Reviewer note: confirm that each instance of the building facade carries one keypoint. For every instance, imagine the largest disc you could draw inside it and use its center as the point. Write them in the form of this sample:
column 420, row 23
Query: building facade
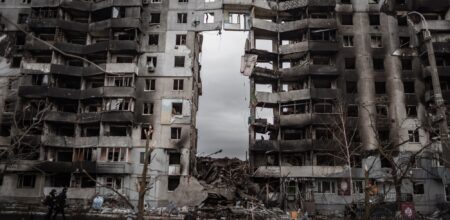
column 327, row 60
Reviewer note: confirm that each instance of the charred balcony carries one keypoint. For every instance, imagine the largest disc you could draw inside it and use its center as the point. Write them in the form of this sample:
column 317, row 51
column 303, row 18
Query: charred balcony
column 263, row 27
column 126, row 46
column 304, row 94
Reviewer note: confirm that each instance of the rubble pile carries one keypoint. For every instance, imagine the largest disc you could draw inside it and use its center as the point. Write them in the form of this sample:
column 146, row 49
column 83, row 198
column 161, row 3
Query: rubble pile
column 231, row 192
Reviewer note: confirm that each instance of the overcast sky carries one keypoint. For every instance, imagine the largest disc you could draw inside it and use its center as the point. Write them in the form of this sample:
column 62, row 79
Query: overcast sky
column 223, row 112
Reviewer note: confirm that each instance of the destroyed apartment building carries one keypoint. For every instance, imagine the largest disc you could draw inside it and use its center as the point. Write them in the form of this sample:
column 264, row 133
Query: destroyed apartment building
column 358, row 69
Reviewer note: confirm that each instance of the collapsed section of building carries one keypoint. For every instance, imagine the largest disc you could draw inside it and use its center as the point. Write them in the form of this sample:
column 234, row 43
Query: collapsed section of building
column 349, row 116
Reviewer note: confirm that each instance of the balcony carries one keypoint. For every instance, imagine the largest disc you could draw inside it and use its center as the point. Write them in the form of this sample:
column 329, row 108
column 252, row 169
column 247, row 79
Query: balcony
column 300, row 71
column 37, row 23
column 269, row 26
column 74, row 193
column 442, row 70
column 33, row 91
column 301, row 120
column 21, row 165
column 115, row 23
column 174, row 169
column 302, row 171
column 264, row 145
column 112, row 45
column 61, row 117
column 304, row 145
column 305, row 46
column 84, row 5
column 295, row 95
column 114, row 167
column 118, row 116
column 115, row 141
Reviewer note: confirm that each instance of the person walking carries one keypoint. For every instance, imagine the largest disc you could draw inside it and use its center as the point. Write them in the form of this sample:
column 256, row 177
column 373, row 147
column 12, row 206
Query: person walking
column 60, row 203
column 49, row 201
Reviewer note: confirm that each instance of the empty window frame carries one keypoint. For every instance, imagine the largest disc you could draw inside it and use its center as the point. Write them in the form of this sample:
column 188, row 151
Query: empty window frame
column 409, row 87
column 151, row 64
column 173, row 183
column 144, row 132
column 113, row 182
column 352, row 111
column 153, row 39
column 347, row 19
column 347, row 41
column 323, row 108
column 418, row 188
column 119, row 104
column 175, row 133
column 150, row 85
column 182, row 18
column 180, row 39
column 26, row 181
column 208, row 18
column 174, row 158
column 178, row 84
column 406, row 64
column 119, row 81
column 411, row 111
column 155, row 18
column 114, row 154
column 177, row 108
column 376, row 41
column 350, row 63
column 326, row 186
column 352, row 87
column 374, row 19
column 381, row 110
column 378, row 64
column 320, row 60
column 380, row 88
column 147, row 109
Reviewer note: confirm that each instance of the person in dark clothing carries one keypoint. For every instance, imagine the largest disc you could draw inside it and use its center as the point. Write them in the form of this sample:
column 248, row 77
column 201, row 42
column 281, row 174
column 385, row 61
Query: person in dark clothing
column 60, row 203
column 49, row 201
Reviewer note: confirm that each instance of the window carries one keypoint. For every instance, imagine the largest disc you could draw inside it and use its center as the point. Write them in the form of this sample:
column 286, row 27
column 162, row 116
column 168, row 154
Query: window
column 119, row 104
column 119, row 81
column 183, row 1
column 406, row 64
column 151, row 64
column 346, row 2
column 358, row 186
column 5, row 131
column 177, row 108
column 373, row 1
column 142, row 157
column 9, row 106
column 324, row 160
column 323, row 134
column 347, row 19
column 153, row 39
column 352, row 111
column 178, row 84
column 402, row 20
column 352, row 87
column 208, row 18
column 147, row 109
column 374, row 20
column 15, row 63
column 126, row 59
column 347, row 41
column 381, row 110
column 350, row 63
column 409, row 87
column 447, row 192
column 174, row 158
column 414, row 136
column 411, row 111
column 376, row 41
column 155, row 18
column 114, row 154
column 378, row 64
column 320, row 60
column 144, row 131
column 175, row 133
column 22, row 19
column 326, row 186
column 182, row 18
column 380, row 88
column 180, row 39
column 26, row 181
column 323, row 108
column 404, row 42
column 419, row 188
column 150, row 85
column 179, row 61
column 118, row 131
column 114, row 182
column 174, row 181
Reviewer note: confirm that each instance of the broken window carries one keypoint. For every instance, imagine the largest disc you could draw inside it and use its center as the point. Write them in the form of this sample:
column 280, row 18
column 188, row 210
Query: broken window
column 9, row 106
column 347, row 41
column 323, row 134
column 177, row 108
column 67, row 130
column 347, row 19
column 90, row 131
column 383, row 135
column 414, row 136
column 356, row 160
column 322, row 35
column 180, row 39
column 119, row 81
column 352, row 111
column 293, row 134
column 64, row 156
column 178, row 84
column 179, row 61
column 373, row 1
column 352, row 87
column 324, row 160
column 419, row 188
column 411, row 111
column 26, row 181
column 23, row 18
column 350, row 63
column 404, row 42
column 173, row 183
column 182, row 18
column 297, row 107
column 83, row 154
column 175, row 133
column 322, row 83
column 114, row 182
column 447, row 192
column 174, row 158
column 326, row 186
column 358, row 186
column 208, row 18
column 374, row 19
column 114, row 154
column 37, row 80
column 142, row 157
column 402, row 20
column 144, row 131
column 155, row 18
column 150, row 85
column 346, row 1
column 151, row 64
column 376, row 41
column 156, row 1
column 153, row 40
column 119, row 104
column 16, row 61
column 117, row 131
column 147, row 109
column 378, row 64
column 5, row 130
column 320, row 60
column 380, row 88
column 124, row 59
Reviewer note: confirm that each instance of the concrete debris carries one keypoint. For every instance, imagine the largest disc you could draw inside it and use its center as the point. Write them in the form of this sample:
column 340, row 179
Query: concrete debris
column 231, row 192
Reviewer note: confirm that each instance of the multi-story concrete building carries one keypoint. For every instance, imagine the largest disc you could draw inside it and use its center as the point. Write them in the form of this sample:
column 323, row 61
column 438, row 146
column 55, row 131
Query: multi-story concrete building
column 92, row 76
column 325, row 54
